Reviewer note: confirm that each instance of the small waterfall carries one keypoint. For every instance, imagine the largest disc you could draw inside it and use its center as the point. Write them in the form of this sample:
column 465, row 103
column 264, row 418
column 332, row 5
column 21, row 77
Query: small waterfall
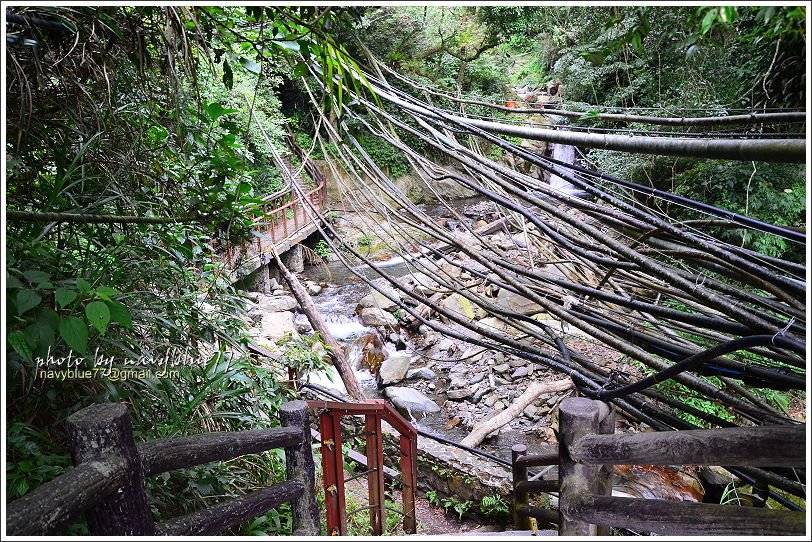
column 566, row 154
column 345, row 327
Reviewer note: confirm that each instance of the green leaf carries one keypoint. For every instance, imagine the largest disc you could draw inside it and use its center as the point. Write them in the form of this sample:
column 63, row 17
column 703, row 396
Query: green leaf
column 17, row 341
column 98, row 315
column 83, row 285
column 300, row 69
column 74, row 331
column 250, row 65
column 215, row 110
column 637, row 42
column 65, row 296
column 728, row 14
column 228, row 75
column 106, row 292
column 289, row 45
column 26, row 300
column 35, row 276
column 707, row 21
column 242, row 188
column 39, row 334
column 48, row 317
column 120, row 314
column 13, row 282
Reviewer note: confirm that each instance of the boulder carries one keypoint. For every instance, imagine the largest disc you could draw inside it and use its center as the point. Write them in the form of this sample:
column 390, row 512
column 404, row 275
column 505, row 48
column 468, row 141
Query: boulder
column 255, row 315
column 410, row 402
column 423, row 284
column 277, row 303
column 328, row 378
column 462, row 393
column 376, row 317
column 479, row 394
column 313, row 288
column 375, row 299
column 302, row 324
column 513, row 302
column 422, row 373
column 393, row 369
column 276, row 325
column 498, row 325
column 459, row 305
column 476, row 379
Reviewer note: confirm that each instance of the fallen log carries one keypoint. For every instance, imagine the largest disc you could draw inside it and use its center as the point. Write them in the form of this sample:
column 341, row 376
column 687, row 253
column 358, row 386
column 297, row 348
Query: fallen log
column 334, row 349
column 483, row 429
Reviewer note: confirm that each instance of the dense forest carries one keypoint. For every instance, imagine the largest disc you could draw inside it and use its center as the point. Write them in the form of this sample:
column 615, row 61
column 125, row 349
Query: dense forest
column 141, row 140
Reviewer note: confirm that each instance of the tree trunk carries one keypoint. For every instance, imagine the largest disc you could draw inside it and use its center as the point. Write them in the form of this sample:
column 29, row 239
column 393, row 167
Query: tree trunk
column 482, row 430
column 335, row 350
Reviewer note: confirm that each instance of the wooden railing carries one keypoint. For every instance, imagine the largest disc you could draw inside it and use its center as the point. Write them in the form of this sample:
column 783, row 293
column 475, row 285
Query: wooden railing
column 588, row 446
column 108, row 481
column 282, row 215
column 374, row 411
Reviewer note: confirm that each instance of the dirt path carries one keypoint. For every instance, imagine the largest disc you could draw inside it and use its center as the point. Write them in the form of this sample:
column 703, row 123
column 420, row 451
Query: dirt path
column 431, row 520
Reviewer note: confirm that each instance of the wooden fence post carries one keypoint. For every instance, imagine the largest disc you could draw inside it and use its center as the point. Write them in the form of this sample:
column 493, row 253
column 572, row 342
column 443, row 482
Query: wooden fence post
column 578, row 416
column 606, row 426
column 100, row 431
column 299, row 464
column 521, row 522
column 408, row 478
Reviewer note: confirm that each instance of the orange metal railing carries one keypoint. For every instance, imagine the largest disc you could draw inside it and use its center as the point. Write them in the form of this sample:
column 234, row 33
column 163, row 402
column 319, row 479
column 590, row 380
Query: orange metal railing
column 332, row 458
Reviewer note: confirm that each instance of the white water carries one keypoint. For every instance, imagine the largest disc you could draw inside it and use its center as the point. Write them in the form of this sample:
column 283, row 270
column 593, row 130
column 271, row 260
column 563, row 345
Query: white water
column 566, row 154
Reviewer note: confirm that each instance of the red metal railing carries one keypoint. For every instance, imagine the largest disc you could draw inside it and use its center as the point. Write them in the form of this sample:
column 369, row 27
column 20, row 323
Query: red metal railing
column 332, row 458
column 283, row 214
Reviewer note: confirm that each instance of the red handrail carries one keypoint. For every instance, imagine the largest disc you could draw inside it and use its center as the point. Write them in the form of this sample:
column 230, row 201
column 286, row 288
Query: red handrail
column 374, row 411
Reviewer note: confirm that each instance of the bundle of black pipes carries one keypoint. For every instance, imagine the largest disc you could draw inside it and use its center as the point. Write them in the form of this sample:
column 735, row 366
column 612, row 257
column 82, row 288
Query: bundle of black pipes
column 722, row 294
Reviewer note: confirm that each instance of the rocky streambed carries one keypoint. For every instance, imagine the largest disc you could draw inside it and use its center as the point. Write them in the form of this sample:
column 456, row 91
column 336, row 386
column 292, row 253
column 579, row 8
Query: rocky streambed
column 445, row 386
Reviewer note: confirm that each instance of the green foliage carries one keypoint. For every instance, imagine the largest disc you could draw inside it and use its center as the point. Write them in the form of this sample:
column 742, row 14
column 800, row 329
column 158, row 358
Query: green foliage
column 678, row 391
column 365, row 240
column 774, row 193
column 494, row 507
column 387, row 157
column 306, row 353
column 449, row 503
column 359, row 525
column 32, row 458
column 322, row 249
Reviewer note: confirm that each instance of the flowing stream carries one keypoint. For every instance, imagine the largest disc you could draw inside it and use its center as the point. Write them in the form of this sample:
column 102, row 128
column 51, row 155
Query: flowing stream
column 337, row 304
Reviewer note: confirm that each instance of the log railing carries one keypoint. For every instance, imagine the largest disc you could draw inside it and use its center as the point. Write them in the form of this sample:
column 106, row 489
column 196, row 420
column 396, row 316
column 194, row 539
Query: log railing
column 375, row 411
column 108, row 481
column 588, row 447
